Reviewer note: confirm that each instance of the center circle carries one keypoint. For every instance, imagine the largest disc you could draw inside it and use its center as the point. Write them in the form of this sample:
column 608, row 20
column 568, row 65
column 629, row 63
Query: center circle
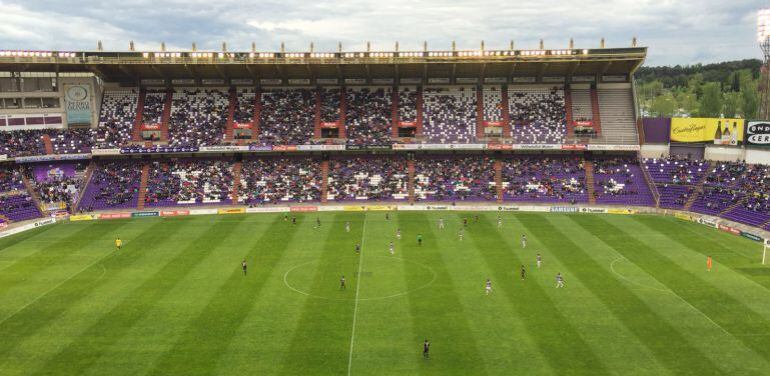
column 381, row 278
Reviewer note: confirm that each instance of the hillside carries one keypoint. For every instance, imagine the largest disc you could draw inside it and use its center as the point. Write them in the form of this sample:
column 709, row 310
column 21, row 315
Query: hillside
column 722, row 89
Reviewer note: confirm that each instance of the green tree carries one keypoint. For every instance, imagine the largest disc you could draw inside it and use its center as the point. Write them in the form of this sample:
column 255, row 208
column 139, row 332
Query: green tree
column 750, row 100
column 664, row 105
column 711, row 101
column 732, row 104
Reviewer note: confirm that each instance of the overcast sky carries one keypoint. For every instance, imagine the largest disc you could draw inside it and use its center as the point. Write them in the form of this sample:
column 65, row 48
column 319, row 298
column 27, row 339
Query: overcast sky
column 676, row 31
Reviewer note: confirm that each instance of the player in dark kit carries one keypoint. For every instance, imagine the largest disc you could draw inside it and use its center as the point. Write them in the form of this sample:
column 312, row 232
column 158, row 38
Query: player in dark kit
column 317, row 222
column 426, row 349
column 342, row 283
column 358, row 249
column 294, row 220
column 243, row 265
column 419, row 239
column 523, row 272
column 465, row 222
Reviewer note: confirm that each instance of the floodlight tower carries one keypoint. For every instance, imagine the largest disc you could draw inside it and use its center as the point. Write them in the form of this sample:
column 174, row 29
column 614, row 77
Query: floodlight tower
column 763, row 38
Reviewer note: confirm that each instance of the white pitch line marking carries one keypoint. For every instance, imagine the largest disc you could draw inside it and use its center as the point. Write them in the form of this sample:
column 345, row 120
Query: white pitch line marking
column 355, row 305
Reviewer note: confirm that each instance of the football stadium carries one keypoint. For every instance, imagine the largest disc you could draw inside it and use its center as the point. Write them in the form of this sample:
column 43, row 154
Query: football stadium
column 484, row 211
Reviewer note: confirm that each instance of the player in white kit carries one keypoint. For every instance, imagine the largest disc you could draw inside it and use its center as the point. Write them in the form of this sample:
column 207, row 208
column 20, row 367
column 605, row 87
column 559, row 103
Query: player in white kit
column 559, row 280
column 441, row 223
column 488, row 287
column 392, row 250
column 539, row 260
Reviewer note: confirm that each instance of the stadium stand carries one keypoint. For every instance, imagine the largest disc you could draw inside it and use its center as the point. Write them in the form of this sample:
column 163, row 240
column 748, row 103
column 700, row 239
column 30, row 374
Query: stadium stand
column 368, row 118
column 114, row 185
column 537, row 114
column 58, row 184
column 619, row 180
column 189, row 182
column 198, row 117
column 493, row 103
column 287, row 117
column 454, row 178
column 22, row 143
column 280, row 180
column 544, row 179
column 376, row 179
column 407, row 104
column 117, row 117
column 15, row 202
column 72, row 141
column 617, row 116
column 450, row 114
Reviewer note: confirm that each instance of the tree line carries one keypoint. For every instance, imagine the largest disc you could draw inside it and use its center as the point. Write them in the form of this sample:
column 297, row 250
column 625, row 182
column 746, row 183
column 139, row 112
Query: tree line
column 727, row 89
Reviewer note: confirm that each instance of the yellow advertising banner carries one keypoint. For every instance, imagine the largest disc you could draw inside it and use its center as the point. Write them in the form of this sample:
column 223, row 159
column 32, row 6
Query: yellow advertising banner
column 728, row 132
column 352, row 208
column 621, row 211
column 380, row 207
column 82, row 217
column 231, row 211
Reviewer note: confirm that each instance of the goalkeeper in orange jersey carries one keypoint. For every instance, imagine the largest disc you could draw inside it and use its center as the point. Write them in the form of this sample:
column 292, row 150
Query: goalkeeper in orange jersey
column 709, row 263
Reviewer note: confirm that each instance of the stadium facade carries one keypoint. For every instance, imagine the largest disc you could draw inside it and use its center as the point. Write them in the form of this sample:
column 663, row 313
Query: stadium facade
column 118, row 132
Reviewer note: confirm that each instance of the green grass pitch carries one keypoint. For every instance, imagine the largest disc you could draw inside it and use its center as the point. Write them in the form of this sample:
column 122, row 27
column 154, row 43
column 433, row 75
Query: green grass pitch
column 638, row 298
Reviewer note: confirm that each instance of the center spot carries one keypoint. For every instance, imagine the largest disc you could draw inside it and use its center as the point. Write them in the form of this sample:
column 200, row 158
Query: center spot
column 381, row 277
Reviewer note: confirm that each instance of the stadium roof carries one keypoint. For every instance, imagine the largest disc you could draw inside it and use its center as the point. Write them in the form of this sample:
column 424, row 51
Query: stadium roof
column 132, row 67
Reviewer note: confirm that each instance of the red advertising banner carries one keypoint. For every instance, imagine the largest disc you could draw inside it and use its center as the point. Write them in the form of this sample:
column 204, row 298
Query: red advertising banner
column 243, row 125
column 493, row 123
column 150, row 127
column 729, row 229
column 174, row 213
column 114, row 215
column 574, row 147
column 303, row 209
column 329, row 124
column 499, row 147
column 583, row 123
column 284, row 147
column 407, row 124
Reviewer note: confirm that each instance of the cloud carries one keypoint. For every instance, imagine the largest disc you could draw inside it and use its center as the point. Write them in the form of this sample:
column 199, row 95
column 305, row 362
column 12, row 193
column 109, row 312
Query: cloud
column 676, row 31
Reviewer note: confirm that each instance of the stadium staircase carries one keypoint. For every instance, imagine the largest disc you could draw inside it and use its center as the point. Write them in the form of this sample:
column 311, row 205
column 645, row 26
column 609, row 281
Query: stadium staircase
column 317, row 118
column 588, row 166
column 696, row 192
column 343, row 112
column 420, row 102
column 410, row 182
column 506, row 113
column 733, row 206
column 499, row 180
column 143, row 186
column 136, row 135
column 237, row 168
column 47, row 143
column 166, row 115
column 568, row 108
column 479, row 113
column 231, row 114
column 597, row 121
column 640, row 130
column 32, row 192
column 86, row 181
column 650, row 184
column 257, row 114
column 324, row 181
column 394, row 113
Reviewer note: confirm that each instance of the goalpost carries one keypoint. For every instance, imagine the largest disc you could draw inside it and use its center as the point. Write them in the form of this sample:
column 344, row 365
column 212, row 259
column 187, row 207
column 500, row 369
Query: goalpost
column 764, row 251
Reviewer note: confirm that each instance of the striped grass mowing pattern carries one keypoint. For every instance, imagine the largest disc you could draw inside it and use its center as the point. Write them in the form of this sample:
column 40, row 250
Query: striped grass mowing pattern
column 174, row 301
